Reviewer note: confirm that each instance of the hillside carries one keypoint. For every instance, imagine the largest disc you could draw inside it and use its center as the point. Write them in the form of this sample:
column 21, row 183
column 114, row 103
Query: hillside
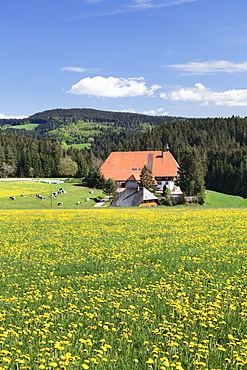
column 219, row 200
column 83, row 126
column 221, row 142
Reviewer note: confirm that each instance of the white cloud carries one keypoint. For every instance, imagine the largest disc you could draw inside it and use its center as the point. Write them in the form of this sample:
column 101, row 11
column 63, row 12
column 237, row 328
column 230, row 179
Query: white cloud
column 95, row 1
column 2, row 116
column 196, row 68
column 205, row 96
column 153, row 112
column 163, row 95
column 129, row 110
column 143, row 4
column 114, row 7
column 158, row 3
column 113, row 87
column 73, row 69
column 170, row 52
column 162, row 112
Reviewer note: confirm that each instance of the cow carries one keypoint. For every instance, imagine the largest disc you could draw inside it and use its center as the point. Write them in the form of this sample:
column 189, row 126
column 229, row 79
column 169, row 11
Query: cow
column 61, row 191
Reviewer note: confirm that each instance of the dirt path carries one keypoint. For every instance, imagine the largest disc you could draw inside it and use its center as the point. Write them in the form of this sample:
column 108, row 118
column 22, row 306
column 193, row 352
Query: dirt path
column 102, row 202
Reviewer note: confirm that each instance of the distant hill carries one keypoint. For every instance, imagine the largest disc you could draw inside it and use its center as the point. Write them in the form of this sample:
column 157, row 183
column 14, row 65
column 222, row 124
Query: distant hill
column 83, row 126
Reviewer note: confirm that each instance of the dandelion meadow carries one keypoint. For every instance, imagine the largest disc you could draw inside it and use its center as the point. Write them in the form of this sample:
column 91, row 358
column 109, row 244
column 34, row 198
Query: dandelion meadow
column 123, row 289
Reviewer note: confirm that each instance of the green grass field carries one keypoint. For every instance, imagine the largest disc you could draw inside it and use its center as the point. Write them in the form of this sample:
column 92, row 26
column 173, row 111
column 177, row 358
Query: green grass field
column 74, row 193
column 214, row 199
column 141, row 289
column 28, row 126
column 77, row 146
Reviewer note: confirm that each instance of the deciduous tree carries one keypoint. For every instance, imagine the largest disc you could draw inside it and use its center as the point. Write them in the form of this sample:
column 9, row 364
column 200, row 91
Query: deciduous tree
column 68, row 167
column 7, row 169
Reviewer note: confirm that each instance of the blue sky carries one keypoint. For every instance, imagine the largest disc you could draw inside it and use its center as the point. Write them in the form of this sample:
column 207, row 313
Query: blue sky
column 177, row 57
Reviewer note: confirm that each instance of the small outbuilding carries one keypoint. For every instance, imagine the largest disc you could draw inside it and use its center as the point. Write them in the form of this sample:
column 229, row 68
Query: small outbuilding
column 134, row 196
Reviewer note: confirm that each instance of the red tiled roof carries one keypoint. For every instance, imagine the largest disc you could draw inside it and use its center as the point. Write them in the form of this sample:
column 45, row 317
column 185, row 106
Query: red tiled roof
column 132, row 177
column 121, row 165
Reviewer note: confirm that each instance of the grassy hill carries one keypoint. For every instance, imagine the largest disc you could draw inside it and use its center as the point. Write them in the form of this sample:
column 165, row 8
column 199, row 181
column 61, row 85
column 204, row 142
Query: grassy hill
column 214, row 199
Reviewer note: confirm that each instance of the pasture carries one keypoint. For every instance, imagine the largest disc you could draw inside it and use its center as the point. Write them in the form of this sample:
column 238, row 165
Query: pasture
column 74, row 193
column 28, row 126
column 160, row 288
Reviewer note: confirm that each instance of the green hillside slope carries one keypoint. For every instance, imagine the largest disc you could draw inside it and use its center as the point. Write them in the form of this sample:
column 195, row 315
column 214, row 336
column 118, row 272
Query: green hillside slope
column 215, row 199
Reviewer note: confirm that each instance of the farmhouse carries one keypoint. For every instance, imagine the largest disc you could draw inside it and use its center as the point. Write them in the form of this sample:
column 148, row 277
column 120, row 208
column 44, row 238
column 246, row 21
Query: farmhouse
column 120, row 166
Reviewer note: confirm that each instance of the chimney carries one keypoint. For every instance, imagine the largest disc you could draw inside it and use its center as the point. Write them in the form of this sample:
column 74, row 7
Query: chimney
column 165, row 150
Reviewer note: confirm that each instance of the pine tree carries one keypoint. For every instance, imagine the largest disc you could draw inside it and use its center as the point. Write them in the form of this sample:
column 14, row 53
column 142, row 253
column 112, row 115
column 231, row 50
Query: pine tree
column 192, row 173
column 95, row 179
column 110, row 187
column 2, row 157
column 146, row 179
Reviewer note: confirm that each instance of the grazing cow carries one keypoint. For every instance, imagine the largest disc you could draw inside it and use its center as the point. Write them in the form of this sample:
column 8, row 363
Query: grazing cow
column 60, row 204
column 40, row 197
column 78, row 202
column 91, row 192
column 87, row 199
column 13, row 198
column 22, row 195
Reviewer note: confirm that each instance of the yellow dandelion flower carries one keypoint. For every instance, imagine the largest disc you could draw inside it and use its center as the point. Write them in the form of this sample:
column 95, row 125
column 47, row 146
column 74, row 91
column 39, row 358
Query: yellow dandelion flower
column 53, row 364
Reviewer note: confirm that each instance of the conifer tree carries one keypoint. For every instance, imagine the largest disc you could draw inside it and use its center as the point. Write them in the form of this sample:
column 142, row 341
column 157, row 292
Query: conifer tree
column 146, row 179
column 110, row 187
column 192, row 173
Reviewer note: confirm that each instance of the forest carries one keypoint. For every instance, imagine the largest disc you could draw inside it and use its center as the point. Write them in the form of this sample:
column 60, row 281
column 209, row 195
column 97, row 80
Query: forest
column 221, row 142
column 26, row 156
column 81, row 126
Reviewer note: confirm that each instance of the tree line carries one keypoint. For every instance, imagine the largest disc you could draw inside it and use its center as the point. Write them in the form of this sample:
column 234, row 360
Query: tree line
column 26, row 156
column 220, row 144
